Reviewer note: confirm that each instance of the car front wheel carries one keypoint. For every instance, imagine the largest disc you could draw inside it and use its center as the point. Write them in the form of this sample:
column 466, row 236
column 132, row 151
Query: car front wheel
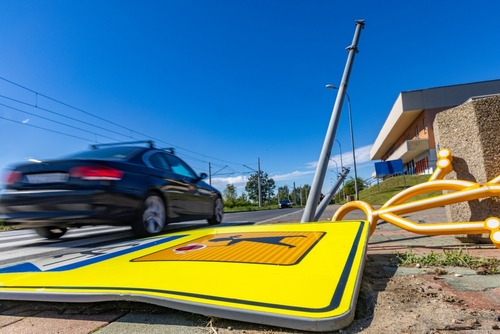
column 51, row 232
column 218, row 213
column 152, row 219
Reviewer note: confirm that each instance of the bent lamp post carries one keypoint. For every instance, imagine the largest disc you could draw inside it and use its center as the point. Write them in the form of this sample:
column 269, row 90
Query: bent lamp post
column 328, row 197
column 319, row 175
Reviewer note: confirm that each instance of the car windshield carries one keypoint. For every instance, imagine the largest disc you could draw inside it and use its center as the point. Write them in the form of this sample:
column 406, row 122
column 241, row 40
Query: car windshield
column 285, row 201
column 111, row 153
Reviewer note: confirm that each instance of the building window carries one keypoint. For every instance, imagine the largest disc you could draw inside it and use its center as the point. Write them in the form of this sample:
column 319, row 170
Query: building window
column 425, row 126
column 417, row 132
column 422, row 166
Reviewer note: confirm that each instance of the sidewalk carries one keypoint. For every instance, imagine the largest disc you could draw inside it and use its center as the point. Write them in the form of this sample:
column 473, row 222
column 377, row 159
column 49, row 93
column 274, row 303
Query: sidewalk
column 479, row 291
column 389, row 239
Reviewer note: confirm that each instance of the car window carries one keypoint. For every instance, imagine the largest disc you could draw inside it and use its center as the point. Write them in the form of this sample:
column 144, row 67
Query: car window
column 180, row 167
column 157, row 160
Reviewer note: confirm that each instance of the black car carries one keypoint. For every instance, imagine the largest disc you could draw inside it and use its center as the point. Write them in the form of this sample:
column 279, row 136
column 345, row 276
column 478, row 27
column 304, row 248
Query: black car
column 142, row 187
column 285, row 204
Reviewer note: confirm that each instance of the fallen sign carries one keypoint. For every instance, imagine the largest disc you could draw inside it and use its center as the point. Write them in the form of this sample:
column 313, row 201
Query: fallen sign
column 300, row 276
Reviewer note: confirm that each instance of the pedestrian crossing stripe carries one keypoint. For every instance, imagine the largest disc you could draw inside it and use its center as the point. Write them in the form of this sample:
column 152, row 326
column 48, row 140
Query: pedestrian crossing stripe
column 303, row 275
column 73, row 260
column 282, row 248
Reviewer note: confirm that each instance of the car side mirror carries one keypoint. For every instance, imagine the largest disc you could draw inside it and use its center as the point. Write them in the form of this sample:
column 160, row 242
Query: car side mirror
column 203, row 176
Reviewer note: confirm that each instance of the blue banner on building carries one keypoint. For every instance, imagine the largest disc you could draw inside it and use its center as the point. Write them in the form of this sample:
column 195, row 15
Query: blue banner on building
column 390, row 167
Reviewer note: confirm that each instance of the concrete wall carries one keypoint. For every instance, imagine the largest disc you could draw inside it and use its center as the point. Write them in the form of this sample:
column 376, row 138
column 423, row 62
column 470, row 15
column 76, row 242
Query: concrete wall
column 471, row 132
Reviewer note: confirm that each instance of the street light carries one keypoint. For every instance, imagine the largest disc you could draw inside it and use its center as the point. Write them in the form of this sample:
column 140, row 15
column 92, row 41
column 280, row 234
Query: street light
column 340, row 149
column 352, row 141
column 336, row 166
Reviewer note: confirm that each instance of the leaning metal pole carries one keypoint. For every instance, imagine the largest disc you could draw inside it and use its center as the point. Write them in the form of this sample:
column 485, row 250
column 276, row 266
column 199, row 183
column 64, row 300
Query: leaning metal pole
column 319, row 176
column 328, row 197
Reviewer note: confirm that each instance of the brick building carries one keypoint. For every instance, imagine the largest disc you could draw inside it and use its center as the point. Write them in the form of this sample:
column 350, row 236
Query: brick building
column 408, row 132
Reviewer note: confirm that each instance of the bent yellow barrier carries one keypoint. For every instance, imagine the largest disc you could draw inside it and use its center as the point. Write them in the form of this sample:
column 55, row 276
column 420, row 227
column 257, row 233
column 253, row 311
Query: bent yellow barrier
column 460, row 191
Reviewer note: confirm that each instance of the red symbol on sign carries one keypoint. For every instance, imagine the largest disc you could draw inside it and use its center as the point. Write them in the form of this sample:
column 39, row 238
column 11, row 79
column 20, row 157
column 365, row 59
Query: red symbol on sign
column 188, row 248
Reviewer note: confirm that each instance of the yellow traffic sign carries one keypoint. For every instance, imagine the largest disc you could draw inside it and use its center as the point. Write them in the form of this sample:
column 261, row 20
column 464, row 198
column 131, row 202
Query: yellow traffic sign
column 302, row 276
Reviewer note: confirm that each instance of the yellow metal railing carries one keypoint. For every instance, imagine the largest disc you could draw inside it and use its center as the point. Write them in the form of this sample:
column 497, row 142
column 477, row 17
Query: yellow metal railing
column 461, row 191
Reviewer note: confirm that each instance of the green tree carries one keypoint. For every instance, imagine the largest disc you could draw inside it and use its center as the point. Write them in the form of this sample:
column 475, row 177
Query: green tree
column 304, row 193
column 267, row 187
column 349, row 186
column 229, row 194
column 242, row 200
column 283, row 192
column 301, row 193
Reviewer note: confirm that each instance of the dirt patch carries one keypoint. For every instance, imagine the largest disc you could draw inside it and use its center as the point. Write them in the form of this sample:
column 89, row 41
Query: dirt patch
column 416, row 304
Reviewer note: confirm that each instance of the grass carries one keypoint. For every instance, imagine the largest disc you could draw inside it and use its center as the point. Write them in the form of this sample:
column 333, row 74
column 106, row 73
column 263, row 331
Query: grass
column 253, row 208
column 4, row 228
column 249, row 208
column 381, row 193
column 450, row 258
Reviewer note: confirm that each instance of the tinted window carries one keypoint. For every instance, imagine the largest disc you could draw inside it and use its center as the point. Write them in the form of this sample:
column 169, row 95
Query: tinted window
column 112, row 153
column 159, row 161
column 180, row 167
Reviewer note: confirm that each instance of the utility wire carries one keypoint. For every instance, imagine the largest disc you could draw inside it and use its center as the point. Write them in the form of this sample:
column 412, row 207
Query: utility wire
column 188, row 157
column 64, row 104
column 100, row 118
column 50, row 120
column 59, row 114
column 39, row 127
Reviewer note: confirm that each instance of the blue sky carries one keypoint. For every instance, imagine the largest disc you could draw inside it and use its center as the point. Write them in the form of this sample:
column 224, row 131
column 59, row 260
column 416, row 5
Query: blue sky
column 227, row 82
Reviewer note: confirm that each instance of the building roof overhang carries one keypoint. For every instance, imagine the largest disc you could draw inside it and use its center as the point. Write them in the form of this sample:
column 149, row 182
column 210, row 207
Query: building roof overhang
column 410, row 104
column 404, row 111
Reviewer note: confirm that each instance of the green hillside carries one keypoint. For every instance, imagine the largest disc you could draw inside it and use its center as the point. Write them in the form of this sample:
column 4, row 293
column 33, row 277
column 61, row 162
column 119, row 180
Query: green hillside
column 381, row 193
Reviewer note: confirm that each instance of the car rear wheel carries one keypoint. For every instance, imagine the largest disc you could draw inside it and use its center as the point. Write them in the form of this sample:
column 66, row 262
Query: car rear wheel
column 218, row 213
column 152, row 219
column 51, row 232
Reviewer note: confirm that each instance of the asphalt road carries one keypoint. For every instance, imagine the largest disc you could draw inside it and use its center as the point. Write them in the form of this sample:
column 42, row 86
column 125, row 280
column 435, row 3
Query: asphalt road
column 24, row 244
